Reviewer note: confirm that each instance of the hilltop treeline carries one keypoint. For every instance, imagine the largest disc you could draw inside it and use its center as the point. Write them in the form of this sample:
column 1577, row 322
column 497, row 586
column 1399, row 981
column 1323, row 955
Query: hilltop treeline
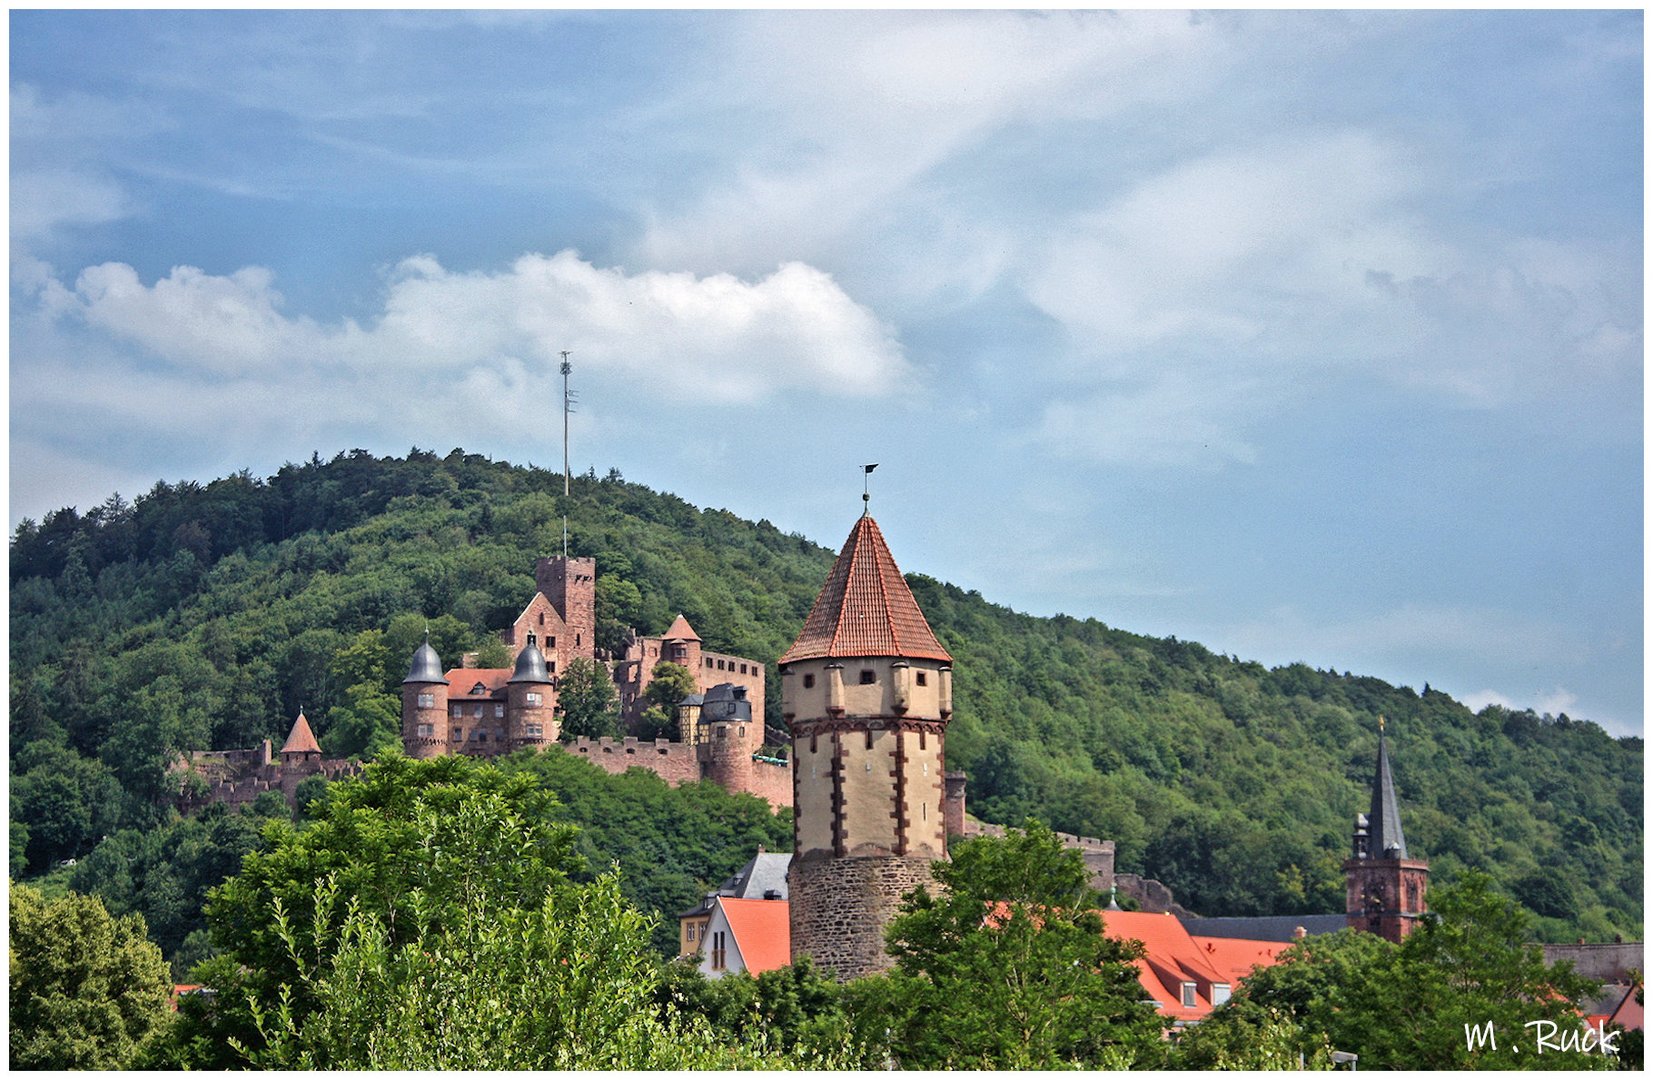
column 208, row 615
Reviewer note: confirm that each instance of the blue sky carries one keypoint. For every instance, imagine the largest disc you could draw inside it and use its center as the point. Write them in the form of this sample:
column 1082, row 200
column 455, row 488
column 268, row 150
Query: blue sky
column 1307, row 336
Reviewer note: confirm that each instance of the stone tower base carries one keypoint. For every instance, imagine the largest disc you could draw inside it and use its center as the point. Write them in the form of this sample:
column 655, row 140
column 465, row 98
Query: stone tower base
column 840, row 908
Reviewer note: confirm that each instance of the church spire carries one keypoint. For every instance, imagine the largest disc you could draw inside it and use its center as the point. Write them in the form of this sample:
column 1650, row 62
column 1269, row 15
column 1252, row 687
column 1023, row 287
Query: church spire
column 1387, row 840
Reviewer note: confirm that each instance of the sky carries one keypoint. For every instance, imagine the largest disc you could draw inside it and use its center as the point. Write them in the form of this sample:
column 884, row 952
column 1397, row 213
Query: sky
column 1309, row 336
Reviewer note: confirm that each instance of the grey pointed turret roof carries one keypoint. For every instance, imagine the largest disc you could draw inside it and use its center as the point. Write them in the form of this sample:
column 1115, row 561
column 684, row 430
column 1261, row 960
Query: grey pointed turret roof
column 426, row 666
column 1384, row 819
column 530, row 666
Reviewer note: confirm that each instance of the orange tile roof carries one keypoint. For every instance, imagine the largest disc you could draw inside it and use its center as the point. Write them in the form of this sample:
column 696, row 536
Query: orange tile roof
column 301, row 740
column 680, row 630
column 461, row 679
column 762, row 930
column 865, row 607
column 1236, row 957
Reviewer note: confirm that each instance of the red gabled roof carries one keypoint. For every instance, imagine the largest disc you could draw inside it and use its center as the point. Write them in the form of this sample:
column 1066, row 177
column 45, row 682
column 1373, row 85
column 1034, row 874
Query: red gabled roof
column 1236, row 957
column 1172, row 959
column 1629, row 1013
column 462, row 679
column 865, row 607
column 762, row 930
column 301, row 740
column 680, row 630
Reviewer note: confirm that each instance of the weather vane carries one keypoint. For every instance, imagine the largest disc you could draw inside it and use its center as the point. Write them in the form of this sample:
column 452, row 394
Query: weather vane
column 866, row 494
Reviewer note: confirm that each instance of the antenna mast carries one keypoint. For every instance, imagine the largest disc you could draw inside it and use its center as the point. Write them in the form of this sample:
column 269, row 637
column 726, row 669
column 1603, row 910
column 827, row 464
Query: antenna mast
column 567, row 407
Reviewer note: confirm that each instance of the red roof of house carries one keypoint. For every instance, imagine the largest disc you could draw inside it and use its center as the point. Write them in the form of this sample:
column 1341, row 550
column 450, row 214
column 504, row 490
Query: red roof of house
column 1174, row 957
column 865, row 607
column 1629, row 1013
column 680, row 630
column 462, row 679
column 301, row 740
column 762, row 930
column 1236, row 957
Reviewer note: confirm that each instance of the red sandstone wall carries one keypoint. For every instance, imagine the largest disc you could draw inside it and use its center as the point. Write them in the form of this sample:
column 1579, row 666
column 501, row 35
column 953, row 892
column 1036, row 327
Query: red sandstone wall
column 772, row 782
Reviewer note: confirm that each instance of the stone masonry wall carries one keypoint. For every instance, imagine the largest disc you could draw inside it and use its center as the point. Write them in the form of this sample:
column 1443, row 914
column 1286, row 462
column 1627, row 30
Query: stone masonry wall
column 839, row 908
column 673, row 762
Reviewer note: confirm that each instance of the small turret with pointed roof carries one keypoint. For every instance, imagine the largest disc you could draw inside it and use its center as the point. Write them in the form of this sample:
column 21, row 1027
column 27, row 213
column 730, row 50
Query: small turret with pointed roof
column 425, row 705
column 301, row 743
column 530, row 666
column 1386, row 887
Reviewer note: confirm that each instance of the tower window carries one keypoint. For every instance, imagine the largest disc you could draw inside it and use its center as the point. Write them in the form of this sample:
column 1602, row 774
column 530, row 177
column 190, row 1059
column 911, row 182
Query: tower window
column 499, row 710
column 535, row 731
column 424, row 731
column 868, row 677
column 809, row 682
column 922, row 678
column 531, row 698
column 426, row 701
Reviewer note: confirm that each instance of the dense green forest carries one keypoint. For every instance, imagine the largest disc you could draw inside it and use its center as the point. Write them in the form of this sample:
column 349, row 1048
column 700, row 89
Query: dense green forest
column 208, row 615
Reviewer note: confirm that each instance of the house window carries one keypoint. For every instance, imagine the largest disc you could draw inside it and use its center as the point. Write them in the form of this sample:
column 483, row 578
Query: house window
column 709, row 661
column 719, row 951
column 426, row 701
column 477, row 712
column 809, row 682
column 531, row 698
column 458, row 733
column 1188, row 1000
column 424, row 731
column 458, row 711
column 743, row 669
column 531, row 639
column 499, row 711
column 922, row 679
column 482, row 736
column 868, row 678
column 551, row 642
column 550, row 665
column 1219, row 993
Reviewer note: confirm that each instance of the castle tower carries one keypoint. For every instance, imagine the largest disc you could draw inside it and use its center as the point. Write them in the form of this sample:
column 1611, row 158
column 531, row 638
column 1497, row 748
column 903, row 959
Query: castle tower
column 867, row 692
column 425, row 705
column 727, row 737
column 571, row 586
column 301, row 746
column 1385, row 887
column 530, row 701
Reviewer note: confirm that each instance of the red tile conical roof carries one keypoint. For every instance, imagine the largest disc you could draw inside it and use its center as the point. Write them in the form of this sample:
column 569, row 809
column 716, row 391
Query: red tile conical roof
column 680, row 630
column 865, row 607
column 301, row 740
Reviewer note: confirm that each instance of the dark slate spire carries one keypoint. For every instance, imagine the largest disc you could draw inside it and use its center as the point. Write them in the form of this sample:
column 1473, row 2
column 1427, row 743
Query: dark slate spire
column 426, row 666
column 1387, row 840
column 530, row 666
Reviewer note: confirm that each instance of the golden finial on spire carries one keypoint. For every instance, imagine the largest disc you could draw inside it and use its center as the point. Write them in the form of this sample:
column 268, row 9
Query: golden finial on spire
column 1380, row 723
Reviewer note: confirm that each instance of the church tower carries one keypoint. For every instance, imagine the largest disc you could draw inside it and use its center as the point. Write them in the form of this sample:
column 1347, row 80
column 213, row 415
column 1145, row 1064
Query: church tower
column 1385, row 887
column 867, row 692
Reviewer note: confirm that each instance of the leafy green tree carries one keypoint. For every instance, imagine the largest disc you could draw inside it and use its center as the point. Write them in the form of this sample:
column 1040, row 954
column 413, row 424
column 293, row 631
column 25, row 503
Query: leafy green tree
column 87, row 991
column 1408, row 1006
column 492, row 653
column 411, row 843
column 1006, row 967
column 794, row 1009
column 1474, row 964
column 669, row 684
column 589, row 704
column 565, row 984
column 366, row 724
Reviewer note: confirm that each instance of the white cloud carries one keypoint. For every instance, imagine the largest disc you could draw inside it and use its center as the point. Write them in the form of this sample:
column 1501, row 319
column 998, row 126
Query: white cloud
column 1480, row 699
column 717, row 337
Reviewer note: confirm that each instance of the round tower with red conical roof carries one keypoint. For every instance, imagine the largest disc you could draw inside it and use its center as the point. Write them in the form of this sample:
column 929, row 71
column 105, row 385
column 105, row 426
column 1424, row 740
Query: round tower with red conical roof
column 867, row 692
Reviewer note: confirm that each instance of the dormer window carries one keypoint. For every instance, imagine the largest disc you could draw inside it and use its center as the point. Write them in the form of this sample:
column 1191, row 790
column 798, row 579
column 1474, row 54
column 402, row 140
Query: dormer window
column 1219, row 993
column 1188, row 995
column 479, row 688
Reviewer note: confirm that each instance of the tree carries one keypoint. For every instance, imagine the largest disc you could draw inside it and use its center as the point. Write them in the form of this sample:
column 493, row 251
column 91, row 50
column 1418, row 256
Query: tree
column 1407, row 1006
column 87, row 991
column 410, row 843
column 669, row 684
column 588, row 701
column 1007, row 967
column 564, row 984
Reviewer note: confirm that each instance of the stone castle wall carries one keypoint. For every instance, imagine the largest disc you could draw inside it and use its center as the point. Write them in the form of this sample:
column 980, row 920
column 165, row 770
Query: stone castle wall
column 674, row 762
column 835, row 902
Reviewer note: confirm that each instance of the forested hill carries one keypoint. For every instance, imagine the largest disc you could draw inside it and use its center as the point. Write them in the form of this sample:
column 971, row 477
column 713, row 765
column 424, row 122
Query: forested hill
column 209, row 615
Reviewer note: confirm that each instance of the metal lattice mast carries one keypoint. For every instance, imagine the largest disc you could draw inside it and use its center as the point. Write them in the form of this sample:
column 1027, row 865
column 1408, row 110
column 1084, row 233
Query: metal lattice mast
column 567, row 407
